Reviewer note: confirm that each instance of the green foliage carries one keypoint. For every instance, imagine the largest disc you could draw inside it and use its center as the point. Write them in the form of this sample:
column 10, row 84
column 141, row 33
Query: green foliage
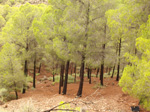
column 37, row 74
column 11, row 75
column 65, row 30
column 2, row 21
column 92, row 75
column 136, row 76
column 29, row 79
column 3, row 93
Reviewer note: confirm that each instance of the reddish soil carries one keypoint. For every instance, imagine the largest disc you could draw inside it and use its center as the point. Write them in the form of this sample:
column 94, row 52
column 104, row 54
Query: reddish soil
column 108, row 98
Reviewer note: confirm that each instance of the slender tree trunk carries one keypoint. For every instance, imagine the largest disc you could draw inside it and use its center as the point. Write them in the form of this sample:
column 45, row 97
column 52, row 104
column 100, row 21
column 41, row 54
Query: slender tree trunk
column 118, row 68
column 71, row 67
column 75, row 73
column 109, row 71
column 114, row 62
column 26, row 73
column 102, row 73
column 34, row 74
column 16, row 93
column 25, row 70
column 103, row 57
column 60, row 80
column 90, row 73
column 62, row 74
column 66, row 78
column 113, row 71
column 61, row 77
column 81, row 77
column 53, row 77
column 79, row 93
column 40, row 68
column 97, row 72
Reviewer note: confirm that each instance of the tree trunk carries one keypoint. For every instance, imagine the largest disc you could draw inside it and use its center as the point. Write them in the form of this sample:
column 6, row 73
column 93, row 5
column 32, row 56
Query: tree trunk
column 79, row 93
column 113, row 71
column 118, row 68
column 90, row 73
column 114, row 62
column 62, row 74
column 109, row 71
column 103, row 57
column 61, row 77
column 53, row 77
column 81, row 77
column 40, row 68
column 97, row 72
column 71, row 67
column 75, row 73
column 25, row 70
column 16, row 94
column 60, row 80
column 102, row 74
column 34, row 75
column 26, row 73
column 66, row 78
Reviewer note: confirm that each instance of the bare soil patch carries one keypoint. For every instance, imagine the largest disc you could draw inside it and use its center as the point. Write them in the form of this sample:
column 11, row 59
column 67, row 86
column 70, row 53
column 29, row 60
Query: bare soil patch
column 108, row 98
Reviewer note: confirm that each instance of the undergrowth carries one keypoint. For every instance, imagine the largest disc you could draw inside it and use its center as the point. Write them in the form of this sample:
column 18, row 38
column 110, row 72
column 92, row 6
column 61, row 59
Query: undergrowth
column 57, row 78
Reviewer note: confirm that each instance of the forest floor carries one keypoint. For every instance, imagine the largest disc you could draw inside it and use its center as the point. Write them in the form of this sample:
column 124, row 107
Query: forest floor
column 108, row 98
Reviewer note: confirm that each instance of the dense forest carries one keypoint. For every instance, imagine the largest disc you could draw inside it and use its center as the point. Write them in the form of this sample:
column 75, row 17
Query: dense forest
column 75, row 37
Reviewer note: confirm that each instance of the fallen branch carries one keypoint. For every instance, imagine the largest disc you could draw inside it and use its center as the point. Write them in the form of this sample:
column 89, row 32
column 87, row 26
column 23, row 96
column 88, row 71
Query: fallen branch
column 57, row 106
column 66, row 110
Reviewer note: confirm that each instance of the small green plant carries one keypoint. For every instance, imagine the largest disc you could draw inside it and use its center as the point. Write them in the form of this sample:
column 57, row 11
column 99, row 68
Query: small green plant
column 31, row 71
column 57, row 78
column 37, row 74
column 29, row 79
column 3, row 94
column 53, row 83
column 97, row 86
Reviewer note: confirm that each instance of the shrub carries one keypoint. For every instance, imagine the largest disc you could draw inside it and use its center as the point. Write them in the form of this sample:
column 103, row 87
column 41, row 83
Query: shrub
column 3, row 93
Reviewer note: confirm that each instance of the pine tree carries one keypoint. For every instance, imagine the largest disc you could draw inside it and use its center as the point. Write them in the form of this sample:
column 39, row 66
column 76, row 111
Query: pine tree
column 12, row 78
